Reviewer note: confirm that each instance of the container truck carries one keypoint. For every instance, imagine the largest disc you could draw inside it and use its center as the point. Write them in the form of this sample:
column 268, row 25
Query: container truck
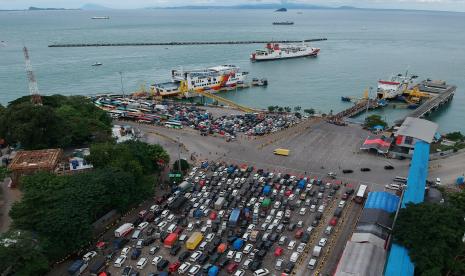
column 194, row 240
column 234, row 217
column 124, row 229
column 77, row 267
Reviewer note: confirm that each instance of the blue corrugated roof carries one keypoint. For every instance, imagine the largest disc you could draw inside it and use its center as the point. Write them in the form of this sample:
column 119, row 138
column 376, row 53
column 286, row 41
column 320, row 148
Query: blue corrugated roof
column 417, row 174
column 382, row 200
column 399, row 263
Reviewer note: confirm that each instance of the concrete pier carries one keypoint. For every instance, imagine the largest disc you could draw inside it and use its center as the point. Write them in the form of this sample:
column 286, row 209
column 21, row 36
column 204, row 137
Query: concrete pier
column 181, row 43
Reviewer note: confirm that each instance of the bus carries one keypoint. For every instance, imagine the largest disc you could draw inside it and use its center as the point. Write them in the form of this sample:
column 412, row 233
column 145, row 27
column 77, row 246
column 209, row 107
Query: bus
column 173, row 124
column 361, row 193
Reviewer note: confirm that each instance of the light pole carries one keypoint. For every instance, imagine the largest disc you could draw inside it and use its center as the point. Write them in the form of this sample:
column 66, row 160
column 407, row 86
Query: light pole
column 121, row 78
column 368, row 103
column 179, row 153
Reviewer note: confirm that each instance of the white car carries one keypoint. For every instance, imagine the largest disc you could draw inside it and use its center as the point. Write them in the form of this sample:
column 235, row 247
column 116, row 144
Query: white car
column 156, row 260
column 251, row 227
column 89, row 255
column 238, row 257
column 301, row 247
column 248, row 247
column 142, row 225
column 184, row 267
column 342, row 203
column 322, row 242
column 141, row 263
column 154, row 208
column 125, row 251
column 291, row 245
column 247, row 263
column 291, row 197
column 165, row 213
column 230, row 254
column 195, row 256
column 277, row 204
column 261, row 272
column 239, row 272
column 294, row 257
column 194, row 270
column 171, row 217
column 210, row 237
column 120, row 261
column 303, row 211
column 190, row 227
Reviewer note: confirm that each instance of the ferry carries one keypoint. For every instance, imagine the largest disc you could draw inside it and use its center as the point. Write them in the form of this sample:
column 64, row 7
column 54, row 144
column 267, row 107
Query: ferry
column 283, row 23
column 213, row 79
column 395, row 87
column 275, row 51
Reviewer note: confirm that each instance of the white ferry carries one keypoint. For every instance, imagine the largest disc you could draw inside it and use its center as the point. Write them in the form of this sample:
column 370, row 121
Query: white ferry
column 395, row 87
column 274, row 51
column 213, row 79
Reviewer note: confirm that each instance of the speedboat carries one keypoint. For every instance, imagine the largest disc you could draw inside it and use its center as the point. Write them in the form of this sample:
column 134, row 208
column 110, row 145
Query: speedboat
column 97, row 64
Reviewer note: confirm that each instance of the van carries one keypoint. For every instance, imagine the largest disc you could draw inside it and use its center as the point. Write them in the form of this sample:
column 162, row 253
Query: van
column 312, row 264
column 294, row 257
column 136, row 235
column 141, row 263
column 203, row 245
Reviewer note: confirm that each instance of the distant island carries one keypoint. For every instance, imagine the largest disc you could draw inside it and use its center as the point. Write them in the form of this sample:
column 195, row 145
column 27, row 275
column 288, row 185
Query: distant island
column 50, row 9
column 278, row 7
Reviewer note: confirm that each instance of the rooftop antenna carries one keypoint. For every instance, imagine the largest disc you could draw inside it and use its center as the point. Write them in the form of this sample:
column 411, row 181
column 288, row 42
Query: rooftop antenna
column 36, row 99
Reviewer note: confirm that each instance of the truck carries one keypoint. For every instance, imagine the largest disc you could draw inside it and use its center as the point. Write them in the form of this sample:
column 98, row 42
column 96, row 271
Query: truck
column 282, row 152
column 120, row 242
column 170, row 240
column 184, row 186
column 77, row 267
column 234, row 217
column 97, row 266
column 219, row 203
column 316, row 251
column 123, row 230
column 194, row 240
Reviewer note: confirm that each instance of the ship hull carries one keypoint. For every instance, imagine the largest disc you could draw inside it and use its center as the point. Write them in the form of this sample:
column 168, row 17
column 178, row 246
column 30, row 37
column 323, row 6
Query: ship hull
column 313, row 53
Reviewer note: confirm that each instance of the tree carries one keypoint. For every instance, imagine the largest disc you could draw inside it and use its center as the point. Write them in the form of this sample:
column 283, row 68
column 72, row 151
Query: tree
column 60, row 122
column 184, row 165
column 3, row 173
column 271, row 108
column 287, row 109
column 374, row 120
column 432, row 233
column 280, row 109
column 309, row 111
column 297, row 108
column 20, row 254
column 455, row 136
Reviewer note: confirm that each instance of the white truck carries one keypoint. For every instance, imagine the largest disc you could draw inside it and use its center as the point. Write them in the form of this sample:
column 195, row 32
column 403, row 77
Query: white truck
column 123, row 230
column 316, row 251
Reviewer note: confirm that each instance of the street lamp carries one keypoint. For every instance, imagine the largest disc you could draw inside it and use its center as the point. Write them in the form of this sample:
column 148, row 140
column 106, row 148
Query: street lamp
column 121, row 78
column 179, row 153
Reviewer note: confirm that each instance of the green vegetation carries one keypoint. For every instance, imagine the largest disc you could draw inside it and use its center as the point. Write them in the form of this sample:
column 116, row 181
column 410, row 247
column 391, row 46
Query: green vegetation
column 61, row 209
column 20, row 254
column 433, row 234
column 374, row 120
column 184, row 165
column 3, row 173
column 309, row 111
column 60, row 122
column 455, row 136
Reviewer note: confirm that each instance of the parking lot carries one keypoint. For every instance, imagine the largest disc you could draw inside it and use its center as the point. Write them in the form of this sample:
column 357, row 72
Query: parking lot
column 273, row 219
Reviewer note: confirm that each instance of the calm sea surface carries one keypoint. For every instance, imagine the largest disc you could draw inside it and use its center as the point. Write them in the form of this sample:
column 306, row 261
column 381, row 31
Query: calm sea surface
column 362, row 47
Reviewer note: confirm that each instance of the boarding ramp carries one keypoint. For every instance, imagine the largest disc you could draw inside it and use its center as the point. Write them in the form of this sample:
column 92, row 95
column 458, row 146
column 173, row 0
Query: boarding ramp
column 226, row 101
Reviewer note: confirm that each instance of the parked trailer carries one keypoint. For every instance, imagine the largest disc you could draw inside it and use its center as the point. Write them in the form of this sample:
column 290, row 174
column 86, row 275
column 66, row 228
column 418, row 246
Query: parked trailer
column 77, row 267
column 124, row 229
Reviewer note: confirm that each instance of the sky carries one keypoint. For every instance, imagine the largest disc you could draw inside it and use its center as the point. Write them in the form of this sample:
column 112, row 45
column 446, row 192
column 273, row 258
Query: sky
column 449, row 5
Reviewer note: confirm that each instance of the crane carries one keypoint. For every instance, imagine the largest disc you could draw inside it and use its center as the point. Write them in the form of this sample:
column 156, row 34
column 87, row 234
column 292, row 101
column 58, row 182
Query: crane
column 33, row 89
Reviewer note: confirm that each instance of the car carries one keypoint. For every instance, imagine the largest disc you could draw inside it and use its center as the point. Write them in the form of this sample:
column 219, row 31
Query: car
column 88, row 256
column 289, row 267
column 278, row 251
column 230, row 254
column 184, row 267
column 388, row 167
column 175, row 249
column 119, row 261
column 332, row 174
column 345, row 196
column 365, row 169
column 301, row 247
column 125, row 251
column 195, row 256
column 291, row 245
column 184, row 255
column 347, row 171
column 294, row 257
column 232, row 267
column 141, row 263
column 136, row 254
column 126, row 271
column 303, row 211
column 300, row 224
column 333, row 221
column 312, row 263
column 156, row 260
column 341, row 204
column 190, row 227
column 438, row 181
column 210, row 237
column 261, row 272
column 162, row 265
column 247, row 263
column 279, row 264
column 239, row 272
column 194, row 270
column 322, row 242
column 173, row 267
column 223, row 263
column 142, row 225
column 248, row 247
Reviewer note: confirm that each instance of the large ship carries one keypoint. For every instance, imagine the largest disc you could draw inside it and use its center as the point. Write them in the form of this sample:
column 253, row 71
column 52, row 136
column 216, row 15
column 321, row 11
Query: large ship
column 395, row 87
column 213, row 79
column 274, row 51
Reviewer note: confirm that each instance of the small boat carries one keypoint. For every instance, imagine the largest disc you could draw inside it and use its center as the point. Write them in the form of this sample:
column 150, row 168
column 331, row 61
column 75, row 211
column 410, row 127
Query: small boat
column 259, row 82
column 97, row 64
column 281, row 10
column 283, row 23
column 100, row 17
column 346, row 99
